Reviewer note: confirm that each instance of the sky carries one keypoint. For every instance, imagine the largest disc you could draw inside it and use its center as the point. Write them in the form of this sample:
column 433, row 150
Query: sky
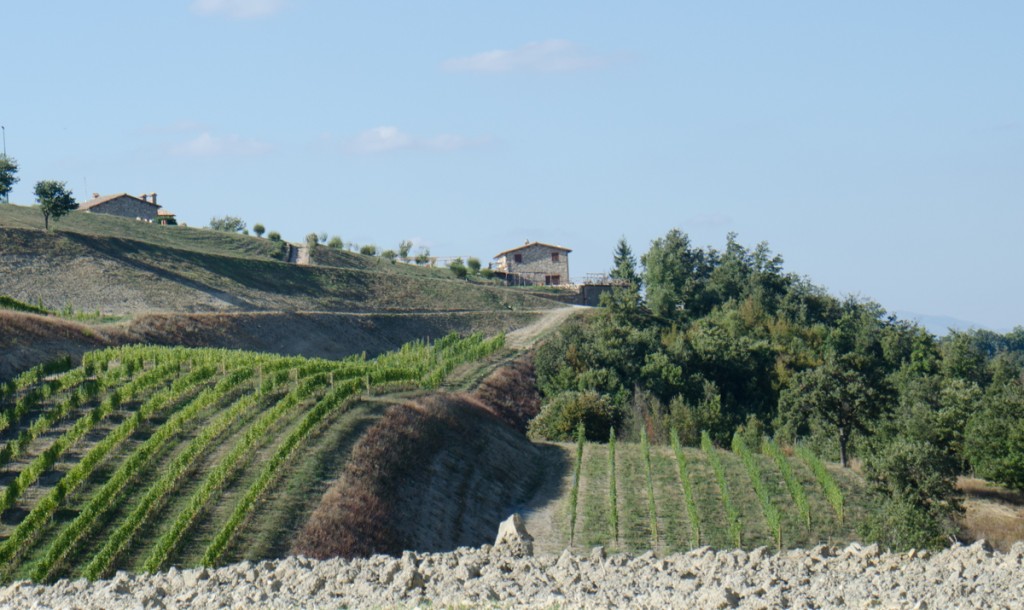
column 878, row 146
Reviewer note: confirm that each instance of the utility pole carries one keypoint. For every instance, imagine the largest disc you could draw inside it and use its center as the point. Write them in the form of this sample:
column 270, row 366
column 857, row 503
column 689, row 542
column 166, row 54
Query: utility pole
column 7, row 196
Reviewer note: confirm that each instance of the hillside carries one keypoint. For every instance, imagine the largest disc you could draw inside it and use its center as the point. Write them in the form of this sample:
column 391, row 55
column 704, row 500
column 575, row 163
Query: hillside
column 121, row 276
column 175, row 285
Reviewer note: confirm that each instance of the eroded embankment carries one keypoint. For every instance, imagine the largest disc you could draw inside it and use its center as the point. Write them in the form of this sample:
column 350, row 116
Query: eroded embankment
column 437, row 473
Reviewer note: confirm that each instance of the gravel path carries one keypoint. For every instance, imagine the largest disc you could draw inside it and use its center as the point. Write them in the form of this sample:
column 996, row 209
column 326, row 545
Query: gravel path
column 527, row 336
column 823, row 577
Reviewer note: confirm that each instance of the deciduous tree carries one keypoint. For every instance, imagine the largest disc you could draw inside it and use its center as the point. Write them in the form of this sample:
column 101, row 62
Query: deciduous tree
column 837, row 395
column 229, row 224
column 55, row 200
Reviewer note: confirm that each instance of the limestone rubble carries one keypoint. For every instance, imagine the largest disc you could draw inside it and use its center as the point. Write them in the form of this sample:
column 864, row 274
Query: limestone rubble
column 823, row 577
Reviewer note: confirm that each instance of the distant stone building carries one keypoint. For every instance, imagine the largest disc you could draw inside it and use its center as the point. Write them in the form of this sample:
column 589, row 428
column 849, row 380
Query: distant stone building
column 143, row 207
column 534, row 264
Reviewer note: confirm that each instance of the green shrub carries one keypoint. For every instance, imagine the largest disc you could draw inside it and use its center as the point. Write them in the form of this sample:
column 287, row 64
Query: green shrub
column 368, row 250
column 274, row 236
column 559, row 418
column 259, row 229
column 335, row 243
column 458, row 268
column 229, row 224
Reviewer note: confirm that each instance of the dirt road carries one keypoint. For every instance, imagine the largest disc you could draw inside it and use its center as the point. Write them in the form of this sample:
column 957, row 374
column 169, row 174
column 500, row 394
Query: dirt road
column 528, row 336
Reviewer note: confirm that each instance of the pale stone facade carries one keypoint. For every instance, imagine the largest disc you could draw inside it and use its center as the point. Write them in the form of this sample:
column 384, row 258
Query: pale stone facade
column 535, row 264
column 123, row 204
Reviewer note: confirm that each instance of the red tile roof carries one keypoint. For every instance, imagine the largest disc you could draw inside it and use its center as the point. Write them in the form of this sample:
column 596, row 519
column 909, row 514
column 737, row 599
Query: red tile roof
column 98, row 200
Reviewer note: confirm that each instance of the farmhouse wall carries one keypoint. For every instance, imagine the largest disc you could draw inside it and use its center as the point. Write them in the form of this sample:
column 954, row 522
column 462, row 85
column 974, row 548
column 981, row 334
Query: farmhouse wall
column 127, row 206
column 536, row 264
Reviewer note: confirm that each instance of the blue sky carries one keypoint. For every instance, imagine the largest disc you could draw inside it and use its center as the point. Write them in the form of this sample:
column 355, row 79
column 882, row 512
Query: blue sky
column 878, row 146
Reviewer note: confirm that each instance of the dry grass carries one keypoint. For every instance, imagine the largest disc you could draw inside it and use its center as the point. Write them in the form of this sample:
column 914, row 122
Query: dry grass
column 356, row 517
column 511, row 393
column 993, row 513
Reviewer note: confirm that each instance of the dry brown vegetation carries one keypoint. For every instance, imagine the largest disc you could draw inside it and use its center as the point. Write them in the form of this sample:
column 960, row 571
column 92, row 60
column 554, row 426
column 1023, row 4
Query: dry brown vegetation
column 511, row 393
column 993, row 513
column 28, row 339
column 431, row 475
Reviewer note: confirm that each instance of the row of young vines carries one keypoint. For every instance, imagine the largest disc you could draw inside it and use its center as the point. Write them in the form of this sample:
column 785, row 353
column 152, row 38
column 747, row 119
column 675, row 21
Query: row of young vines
column 719, row 497
column 148, row 424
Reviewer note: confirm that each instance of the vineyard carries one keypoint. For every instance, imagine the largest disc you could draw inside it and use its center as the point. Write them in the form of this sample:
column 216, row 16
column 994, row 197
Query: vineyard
column 638, row 496
column 146, row 457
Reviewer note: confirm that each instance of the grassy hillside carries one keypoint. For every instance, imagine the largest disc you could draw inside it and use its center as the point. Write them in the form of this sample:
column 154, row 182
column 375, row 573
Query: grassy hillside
column 201, row 240
column 116, row 275
column 146, row 457
column 178, row 237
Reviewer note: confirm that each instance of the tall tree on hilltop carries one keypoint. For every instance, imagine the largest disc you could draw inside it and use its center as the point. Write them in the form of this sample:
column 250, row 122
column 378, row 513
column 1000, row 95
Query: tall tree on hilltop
column 54, row 199
column 8, row 175
column 624, row 263
column 675, row 275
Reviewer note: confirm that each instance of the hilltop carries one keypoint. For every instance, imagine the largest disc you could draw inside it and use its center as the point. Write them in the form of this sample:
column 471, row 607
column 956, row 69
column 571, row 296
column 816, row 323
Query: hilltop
column 120, row 266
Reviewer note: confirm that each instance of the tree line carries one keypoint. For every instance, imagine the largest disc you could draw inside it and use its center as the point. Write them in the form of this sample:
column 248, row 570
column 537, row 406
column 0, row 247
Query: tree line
column 726, row 342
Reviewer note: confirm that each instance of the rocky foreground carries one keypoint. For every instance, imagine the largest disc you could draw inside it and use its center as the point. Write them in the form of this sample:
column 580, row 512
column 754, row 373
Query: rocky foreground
column 508, row 575
column 823, row 577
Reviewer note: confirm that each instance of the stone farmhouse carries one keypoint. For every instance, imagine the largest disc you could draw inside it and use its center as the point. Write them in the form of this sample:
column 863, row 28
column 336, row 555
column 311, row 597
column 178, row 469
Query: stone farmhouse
column 534, row 264
column 143, row 207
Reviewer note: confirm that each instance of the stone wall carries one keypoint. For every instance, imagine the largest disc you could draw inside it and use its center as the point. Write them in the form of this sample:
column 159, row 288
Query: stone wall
column 536, row 265
column 127, row 206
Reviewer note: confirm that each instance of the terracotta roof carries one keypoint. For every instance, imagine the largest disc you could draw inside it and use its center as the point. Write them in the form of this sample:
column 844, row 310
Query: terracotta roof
column 163, row 212
column 530, row 244
column 98, row 200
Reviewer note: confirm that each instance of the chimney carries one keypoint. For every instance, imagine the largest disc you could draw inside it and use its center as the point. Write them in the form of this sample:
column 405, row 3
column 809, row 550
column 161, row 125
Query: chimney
column 95, row 195
column 143, row 197
column 152, row 198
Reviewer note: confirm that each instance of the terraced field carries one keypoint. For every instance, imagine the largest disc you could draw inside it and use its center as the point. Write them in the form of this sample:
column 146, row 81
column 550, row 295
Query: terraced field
column 769, row 498
column 146, row 457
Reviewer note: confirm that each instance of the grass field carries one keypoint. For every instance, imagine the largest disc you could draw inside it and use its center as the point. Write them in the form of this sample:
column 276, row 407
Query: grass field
column 116, row 275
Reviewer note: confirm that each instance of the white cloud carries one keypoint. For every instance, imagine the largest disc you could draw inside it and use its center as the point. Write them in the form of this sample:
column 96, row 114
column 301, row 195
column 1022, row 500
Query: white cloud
column 208, row 145
column 381, row 139
column 238, row 9
column 546, row 56
column 388, row 138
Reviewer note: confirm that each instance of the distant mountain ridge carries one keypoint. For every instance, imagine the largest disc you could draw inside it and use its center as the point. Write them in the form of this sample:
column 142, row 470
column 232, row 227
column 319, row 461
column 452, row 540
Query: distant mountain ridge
column 941, row 325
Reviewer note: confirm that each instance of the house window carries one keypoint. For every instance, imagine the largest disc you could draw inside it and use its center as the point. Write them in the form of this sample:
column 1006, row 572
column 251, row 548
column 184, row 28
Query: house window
column 554, row 257
column 552, row 280
column 517, row 258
